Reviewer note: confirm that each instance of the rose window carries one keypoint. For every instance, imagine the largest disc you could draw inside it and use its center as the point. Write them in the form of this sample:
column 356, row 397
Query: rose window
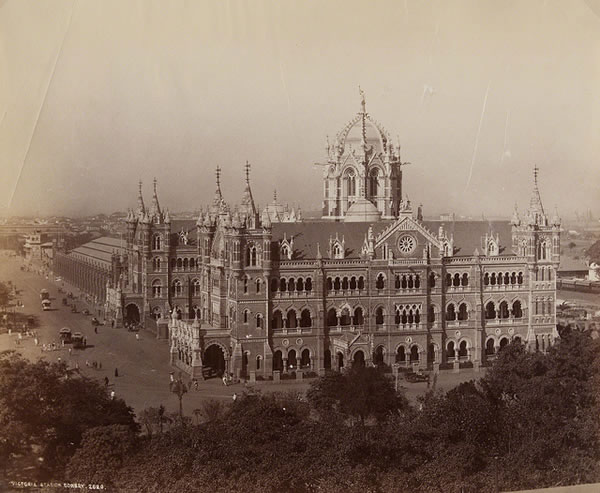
column 407, row 244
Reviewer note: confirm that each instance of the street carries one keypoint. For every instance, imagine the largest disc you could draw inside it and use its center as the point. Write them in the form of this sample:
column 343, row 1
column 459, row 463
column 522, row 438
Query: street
column 143, row 365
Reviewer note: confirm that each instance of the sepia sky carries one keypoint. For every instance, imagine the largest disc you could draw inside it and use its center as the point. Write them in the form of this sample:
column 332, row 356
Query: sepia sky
column 97, row 94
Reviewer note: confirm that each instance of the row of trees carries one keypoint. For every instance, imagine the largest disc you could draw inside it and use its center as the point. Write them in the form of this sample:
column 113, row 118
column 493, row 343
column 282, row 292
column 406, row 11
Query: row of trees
column 531, row 421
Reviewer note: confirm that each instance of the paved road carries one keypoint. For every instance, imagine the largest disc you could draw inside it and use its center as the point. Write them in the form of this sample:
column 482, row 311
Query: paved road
column 143, row 364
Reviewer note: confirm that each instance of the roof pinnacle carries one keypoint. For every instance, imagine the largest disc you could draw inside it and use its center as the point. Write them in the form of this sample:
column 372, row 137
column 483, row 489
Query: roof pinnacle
column 247, row 167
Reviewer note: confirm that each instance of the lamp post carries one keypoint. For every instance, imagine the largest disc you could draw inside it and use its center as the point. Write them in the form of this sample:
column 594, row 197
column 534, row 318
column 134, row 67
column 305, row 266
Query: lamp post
column 179, row 388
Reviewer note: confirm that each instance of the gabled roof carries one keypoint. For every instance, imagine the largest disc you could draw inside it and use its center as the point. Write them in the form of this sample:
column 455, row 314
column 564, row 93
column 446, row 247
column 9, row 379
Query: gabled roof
column 99, row 250
column 467, row 236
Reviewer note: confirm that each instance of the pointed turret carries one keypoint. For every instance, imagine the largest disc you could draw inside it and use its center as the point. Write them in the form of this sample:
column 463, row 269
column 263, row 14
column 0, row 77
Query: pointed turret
column 218, row 204
column 141, row 210
column 167, row 217
column 536, row 213
column 516, row 220
column 248, row 208
column 155, row 213
column 555, row 217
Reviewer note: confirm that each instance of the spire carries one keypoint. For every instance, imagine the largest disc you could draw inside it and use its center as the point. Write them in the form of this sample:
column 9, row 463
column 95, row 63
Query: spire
column 141, row 209
column 155, row 209
column 536, row 210
column 247, row 200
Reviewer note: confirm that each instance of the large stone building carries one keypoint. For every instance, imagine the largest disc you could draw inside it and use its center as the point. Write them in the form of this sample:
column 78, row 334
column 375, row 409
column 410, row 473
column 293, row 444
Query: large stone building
column 372, row 282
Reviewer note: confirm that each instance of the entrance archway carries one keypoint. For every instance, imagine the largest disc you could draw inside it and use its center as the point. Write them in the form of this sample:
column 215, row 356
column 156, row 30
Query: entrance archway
column 340, row 361
column 359, row 359
column 305, row 359
column 277, row 361
column 378, row 356
column 292, row 359
column 214, row 358
column 132, row 313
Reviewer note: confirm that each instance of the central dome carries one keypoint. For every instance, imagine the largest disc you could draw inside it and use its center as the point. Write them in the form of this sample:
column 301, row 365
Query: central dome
column 362, row 210
column 353, row 136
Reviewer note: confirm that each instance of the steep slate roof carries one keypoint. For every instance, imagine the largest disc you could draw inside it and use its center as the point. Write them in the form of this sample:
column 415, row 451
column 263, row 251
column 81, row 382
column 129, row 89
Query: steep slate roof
column 188, row 225
column 306, row 235
column 468, row 234
column 99, row 250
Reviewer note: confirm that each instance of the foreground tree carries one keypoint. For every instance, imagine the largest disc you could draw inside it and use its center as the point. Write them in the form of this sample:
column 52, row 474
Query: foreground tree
column 360, row 393
column 43, row 408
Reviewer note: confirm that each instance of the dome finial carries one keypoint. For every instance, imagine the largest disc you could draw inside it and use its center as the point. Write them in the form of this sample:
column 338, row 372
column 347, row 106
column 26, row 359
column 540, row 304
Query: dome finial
column 247, row 167
column 363, row 104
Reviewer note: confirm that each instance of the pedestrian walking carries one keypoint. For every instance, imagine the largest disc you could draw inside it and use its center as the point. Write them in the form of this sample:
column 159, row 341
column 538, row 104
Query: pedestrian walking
column 171, row 376
column 70, row 351
column 225, row 380
column 112, row 395
column 137, row 336
column 116, row 372
column 106, row 381
column 234, row 397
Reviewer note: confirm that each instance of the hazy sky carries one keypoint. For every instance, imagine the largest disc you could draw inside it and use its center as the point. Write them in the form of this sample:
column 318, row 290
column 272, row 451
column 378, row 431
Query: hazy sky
column 96, row 94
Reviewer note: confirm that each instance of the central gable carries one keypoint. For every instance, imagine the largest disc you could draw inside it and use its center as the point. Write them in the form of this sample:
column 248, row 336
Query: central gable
column 406, row 238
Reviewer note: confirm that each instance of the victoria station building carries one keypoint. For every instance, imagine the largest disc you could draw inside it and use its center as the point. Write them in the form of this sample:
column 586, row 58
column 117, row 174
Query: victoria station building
column 255, row 293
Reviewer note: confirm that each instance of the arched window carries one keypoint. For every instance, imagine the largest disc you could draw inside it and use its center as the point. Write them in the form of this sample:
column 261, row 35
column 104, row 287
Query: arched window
column 493, row 279
column 374, row 182
column 258, row 362
column 259, row 321
column 337, row 251
column 490, row 310
column 305, row 319
column 517, row 311
column 308, row 284
column 177, row 287
column 404, row 317
column 506, row 278
column 463, row 313
column 430, row 314
column 448, row 279
column 277, row 320
column 285, row 252
column 350, row 183
column 345, row 284
column 332, row 319
column 417, row 281
column 397, row 284
column 379, row 316
column 432, row 280
column 486, row 279
column 513, row 278
column 411, row 282
column 450, row 350
column 329, row 284
column 520, row 278
column 258, row 286
column 251, row 258
column 196, row 287
column 463, row 350
column 490, row 350
column 465, row 279
column 179, row 264
column 345, row 317
column 380, row 283
column 401, row 355
column 156, row 288
column 353, row 283
column 300, row 285
column 397, row 320
column 337, row 284
column 156, row 242
column 361, row 282
column 414, row 353
column 245, row 283
column 156, row 264
column 450, row 312
column 292, row 321
column 500, row 278
column 305, row 359
column 456, row 280
column 503, row 342
column 246, row 316
column 192, row 264
column 185, row 264
column 282, row 284
column 359, row 318
column 291, row 285
column 503, row 310
column 417, row 316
